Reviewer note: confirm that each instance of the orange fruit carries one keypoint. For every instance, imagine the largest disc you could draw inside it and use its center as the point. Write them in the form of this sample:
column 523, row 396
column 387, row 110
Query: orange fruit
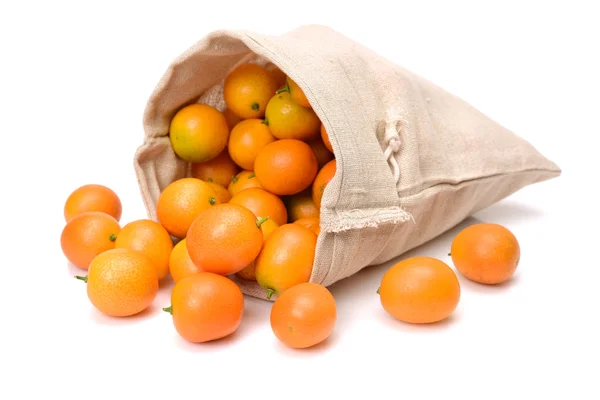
column 289, row 120
column 277, row 74
column 267, row 227
column 224, row 239
column 206, row 307
column 486, row 253
column 325, row 138
column 262, row 204
column 296, row 92
column 87, row 235
column 180, row 263
column 151, row 239
column 246, row 140
column 242, row 181
column 221, row 192
column 321, row 151
column 198, row 133
column 218, row 170
column 286, row 258
column 286, row 167
column 181, row 202
column 325, row 175
column 419, row 290
column 231, row 118
column 92, row 198
column 312, row 223
column 121, row 282
column 301, row 205
column 247, row 90
column 304, row 315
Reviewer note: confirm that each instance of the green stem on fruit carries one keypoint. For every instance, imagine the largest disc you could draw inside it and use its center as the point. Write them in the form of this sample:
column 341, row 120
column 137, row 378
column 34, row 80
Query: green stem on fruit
column 265, row 121
column 255, row 106
column 252, row 175
column 112, row 237
column 234, row 178
column 168, row 309
column 212, row 201
column 449, row 254
column 378, row 289
column 261, row 221
column 286, row 88
column 81, row 278
column 210, row 179
column 270, row 293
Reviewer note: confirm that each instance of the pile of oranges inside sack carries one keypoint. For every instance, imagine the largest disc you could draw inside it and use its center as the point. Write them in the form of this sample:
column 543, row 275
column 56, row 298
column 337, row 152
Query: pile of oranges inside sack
column 250, row 209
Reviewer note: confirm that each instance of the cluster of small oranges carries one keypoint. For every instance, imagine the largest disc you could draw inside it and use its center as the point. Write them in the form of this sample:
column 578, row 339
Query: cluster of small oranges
column 251, row 208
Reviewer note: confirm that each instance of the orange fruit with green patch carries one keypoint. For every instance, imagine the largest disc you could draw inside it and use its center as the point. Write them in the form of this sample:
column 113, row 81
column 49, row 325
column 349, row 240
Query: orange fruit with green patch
column 289, row 120
column 198, row 133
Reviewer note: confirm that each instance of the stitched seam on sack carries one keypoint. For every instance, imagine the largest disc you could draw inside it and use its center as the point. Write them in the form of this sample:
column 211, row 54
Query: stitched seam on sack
column 479, row 179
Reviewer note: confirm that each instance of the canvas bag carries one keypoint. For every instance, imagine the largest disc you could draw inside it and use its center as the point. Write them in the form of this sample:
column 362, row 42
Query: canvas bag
column 412, row 159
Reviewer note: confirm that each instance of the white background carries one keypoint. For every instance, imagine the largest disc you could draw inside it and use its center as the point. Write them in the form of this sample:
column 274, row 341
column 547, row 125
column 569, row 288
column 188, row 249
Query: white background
column 74, row 80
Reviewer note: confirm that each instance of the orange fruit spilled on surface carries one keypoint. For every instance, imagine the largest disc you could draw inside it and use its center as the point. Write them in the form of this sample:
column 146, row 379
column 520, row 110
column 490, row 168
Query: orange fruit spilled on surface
column 242, row 181
column 181, row 202
column 180, row 263
column 87, row 235
column 419, row 290
column 312, row 223
column 286, row 167
column 325, row 138
column 262, row 204
column 206, row 307
column 304, row 315
column 224, row 239
column 324, row 155
column 325, row 175
column 121, row 282
column 246, row 139
column 486, row 253
column 151, row 239
column 301, row 205
column 249, row 272
column 289, row 120
column 231, row 118
column 286, row 258
column 297, row 93
column 218, row 170
column 247, row 90
column 93, row 198
column 221, row 192
column 198, row 133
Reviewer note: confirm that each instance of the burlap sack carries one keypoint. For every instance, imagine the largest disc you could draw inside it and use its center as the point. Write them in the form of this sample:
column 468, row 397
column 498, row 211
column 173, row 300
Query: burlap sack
column 412, row 160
